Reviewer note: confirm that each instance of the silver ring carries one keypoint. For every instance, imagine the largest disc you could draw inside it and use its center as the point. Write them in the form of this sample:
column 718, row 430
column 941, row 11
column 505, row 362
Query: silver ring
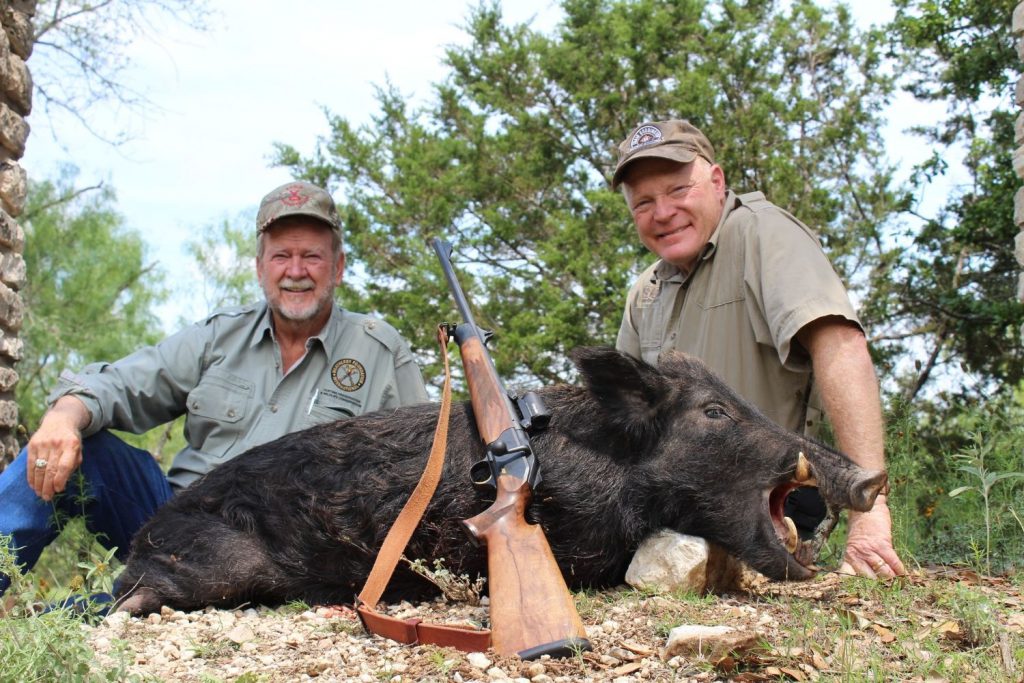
column 40, row 464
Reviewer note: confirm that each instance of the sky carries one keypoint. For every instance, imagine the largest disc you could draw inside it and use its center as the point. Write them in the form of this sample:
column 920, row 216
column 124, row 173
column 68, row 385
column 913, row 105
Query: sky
column 223, row 97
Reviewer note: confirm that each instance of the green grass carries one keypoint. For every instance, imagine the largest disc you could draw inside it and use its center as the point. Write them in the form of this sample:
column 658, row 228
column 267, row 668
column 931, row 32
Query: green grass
column 42, row 643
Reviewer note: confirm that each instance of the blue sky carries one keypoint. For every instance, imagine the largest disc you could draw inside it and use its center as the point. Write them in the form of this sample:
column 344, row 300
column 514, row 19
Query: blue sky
column 259, row 77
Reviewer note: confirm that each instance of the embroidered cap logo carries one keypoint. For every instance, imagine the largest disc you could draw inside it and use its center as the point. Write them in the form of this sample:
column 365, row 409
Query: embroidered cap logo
column 293, row 196
column 645, row 135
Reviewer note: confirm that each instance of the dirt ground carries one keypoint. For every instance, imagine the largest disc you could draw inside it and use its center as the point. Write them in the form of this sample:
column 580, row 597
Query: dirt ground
column 939, row 624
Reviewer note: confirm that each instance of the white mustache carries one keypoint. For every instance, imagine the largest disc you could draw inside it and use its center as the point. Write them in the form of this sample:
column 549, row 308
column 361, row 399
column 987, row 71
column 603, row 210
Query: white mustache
column 297, row 285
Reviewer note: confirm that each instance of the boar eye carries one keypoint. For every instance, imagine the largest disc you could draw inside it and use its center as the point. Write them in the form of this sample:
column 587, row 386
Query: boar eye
column 715, row 412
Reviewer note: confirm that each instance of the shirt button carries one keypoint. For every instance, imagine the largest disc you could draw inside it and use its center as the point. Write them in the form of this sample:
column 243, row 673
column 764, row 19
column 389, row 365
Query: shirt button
column 273, row 407
column 231, row 413
column 195, row 405
column 371, row 325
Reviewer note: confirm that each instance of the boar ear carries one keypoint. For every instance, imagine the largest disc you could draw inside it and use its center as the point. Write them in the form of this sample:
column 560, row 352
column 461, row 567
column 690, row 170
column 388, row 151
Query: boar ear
column 630, row 393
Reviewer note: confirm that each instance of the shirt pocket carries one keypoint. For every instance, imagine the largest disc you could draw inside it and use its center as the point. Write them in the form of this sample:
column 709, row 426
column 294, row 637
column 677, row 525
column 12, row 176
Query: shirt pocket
column 324, row 407
column 652, row 333
column 215, row 408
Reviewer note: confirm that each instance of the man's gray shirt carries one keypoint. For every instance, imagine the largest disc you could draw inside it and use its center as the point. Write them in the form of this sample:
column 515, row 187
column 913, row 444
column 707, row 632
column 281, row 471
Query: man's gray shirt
column 224, row 374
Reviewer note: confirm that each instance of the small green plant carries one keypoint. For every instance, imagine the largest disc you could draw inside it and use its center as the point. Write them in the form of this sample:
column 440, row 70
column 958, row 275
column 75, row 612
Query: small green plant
column 455, row 587
column 294, row 607
column 441, row 663
column 40, row 642
column 973, row 464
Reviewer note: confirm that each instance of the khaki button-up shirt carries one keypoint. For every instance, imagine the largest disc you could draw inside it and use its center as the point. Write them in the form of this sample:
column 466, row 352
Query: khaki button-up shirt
column 224, row 374
column 760, row 279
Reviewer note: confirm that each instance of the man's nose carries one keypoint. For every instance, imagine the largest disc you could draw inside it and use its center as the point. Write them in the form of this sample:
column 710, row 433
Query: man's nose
column 664, row 208
column 296, row 267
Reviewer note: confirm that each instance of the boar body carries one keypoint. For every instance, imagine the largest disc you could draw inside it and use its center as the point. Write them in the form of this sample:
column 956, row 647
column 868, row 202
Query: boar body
column 632, row 450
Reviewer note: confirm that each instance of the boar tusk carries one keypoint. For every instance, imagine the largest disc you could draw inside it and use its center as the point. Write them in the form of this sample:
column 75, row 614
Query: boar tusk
column 803, row 475
column 792, row 538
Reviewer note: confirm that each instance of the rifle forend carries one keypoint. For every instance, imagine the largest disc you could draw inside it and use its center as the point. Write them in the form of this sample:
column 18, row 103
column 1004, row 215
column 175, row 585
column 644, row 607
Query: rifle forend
column 532, row 611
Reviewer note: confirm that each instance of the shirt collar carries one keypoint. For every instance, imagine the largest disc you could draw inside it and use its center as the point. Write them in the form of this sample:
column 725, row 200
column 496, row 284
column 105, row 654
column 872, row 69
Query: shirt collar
column 325, row 336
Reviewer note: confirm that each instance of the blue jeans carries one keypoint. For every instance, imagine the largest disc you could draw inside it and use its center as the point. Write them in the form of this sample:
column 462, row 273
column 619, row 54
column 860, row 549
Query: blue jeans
column 124, row 486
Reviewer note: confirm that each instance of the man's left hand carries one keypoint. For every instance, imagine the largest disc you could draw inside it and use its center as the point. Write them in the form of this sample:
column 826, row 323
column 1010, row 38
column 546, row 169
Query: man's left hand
column 869, row 550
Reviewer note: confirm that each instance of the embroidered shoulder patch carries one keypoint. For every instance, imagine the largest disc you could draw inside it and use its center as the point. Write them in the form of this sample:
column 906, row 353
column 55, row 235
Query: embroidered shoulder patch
column 348, row 374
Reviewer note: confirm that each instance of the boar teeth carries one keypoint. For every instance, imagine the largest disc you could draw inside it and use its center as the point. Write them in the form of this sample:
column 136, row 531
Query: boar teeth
column 802, row 475
column 792, row 539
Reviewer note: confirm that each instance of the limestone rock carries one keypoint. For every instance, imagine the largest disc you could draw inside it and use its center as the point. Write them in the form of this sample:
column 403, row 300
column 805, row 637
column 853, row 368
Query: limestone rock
column 13, row 188
column 669, row 561
column 709, row 642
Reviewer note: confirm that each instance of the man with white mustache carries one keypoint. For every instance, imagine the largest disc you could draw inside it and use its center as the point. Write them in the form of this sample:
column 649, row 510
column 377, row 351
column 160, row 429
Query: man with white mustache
column 745, row 286
column 242, row 377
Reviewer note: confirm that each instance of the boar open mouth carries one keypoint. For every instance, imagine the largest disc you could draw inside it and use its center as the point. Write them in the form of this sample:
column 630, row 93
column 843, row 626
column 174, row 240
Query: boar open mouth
column 804, row 552
column 860, row 495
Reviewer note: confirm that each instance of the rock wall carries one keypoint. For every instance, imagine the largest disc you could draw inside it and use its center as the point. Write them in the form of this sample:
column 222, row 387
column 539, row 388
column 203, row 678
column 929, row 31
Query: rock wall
column 15, row 105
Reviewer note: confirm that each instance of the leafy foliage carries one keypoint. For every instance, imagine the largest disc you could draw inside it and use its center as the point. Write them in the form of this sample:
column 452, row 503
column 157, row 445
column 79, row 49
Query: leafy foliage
column 949, row 298
column 225, row 254
column 512, row 159
column 90, row 293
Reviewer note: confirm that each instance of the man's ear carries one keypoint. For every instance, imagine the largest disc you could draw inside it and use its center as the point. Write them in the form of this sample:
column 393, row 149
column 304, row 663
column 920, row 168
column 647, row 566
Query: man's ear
column 632, row 395
column 718, row 180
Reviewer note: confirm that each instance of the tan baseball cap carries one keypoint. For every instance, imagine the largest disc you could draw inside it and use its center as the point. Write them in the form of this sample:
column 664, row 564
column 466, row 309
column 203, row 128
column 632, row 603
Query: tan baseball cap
column 677, row 140
column 297, row 198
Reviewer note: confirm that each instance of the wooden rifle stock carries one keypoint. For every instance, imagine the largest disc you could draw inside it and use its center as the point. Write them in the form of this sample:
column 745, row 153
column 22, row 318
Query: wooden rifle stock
column 532, row 610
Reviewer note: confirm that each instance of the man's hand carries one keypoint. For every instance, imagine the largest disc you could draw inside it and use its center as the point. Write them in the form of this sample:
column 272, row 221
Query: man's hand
column 55, row 450
column 869, row 550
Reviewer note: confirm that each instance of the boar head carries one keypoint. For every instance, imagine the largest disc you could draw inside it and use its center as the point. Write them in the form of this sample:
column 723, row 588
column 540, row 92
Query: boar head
column 706, row 462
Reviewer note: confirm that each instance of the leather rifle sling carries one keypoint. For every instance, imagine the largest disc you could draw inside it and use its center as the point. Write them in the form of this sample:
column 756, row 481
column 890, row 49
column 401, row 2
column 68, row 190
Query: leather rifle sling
column 415, row 631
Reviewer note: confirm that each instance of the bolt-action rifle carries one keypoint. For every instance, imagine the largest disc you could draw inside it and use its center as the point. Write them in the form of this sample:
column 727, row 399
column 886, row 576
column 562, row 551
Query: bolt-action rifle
column 532, row 611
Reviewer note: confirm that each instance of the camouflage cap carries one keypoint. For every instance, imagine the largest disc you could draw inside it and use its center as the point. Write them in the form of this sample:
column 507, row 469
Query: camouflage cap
column 297, row 198
column 676, row 140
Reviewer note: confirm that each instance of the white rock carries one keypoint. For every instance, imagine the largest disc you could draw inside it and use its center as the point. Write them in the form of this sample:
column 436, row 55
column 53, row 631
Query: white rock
column 240, row 634
column 116, row 619
column 495, row 673
column 479, row 660
column 669, row 561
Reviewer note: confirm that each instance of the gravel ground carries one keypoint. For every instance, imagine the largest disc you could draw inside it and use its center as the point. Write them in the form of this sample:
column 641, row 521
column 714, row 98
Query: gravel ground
column 796, row 625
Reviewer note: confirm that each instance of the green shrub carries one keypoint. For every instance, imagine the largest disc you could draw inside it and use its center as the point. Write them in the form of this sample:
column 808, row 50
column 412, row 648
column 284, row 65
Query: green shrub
column 957, row 495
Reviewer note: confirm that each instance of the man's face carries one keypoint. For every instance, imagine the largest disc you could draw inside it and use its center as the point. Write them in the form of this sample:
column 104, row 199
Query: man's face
column 298, row 271
column 676, row 207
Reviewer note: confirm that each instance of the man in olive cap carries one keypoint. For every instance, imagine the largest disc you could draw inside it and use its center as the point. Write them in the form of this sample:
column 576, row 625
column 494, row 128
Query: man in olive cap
column 242, row 377
column 746, row 287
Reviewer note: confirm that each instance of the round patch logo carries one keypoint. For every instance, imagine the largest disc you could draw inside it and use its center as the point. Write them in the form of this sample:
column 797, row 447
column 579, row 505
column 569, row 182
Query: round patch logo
column 348, row 374
column 645, row 135
column 293, row 196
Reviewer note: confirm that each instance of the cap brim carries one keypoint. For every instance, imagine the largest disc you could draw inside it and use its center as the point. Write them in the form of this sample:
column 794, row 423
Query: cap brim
column 683, row 155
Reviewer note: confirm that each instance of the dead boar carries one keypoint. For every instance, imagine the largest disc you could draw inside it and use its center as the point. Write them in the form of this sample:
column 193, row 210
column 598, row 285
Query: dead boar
column 633, row 449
